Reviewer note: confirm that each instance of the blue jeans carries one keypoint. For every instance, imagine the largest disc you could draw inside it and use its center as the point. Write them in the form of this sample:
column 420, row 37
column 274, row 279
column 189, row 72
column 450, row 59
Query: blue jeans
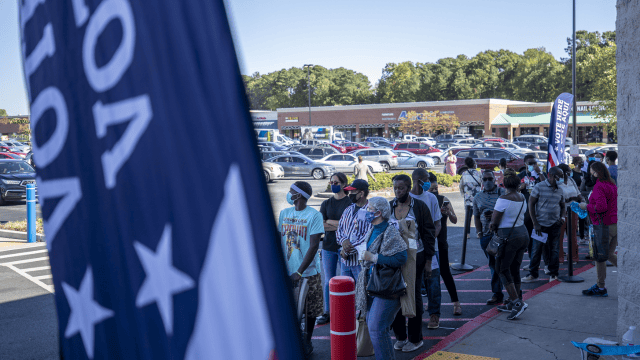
column 352, row 271
column 380, row 315
column 329, row 264
column 496, row 284
column 434, row 292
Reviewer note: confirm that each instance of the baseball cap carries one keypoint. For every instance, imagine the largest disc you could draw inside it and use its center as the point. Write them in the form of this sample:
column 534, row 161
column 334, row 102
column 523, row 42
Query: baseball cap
column 358, row 184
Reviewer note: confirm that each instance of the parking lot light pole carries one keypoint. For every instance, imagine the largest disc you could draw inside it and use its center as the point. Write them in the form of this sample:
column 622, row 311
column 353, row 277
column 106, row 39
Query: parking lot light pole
column 308, row 66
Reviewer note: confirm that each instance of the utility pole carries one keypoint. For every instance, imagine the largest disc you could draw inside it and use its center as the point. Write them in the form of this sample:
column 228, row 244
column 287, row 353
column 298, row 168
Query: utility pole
column 308, row 66
column 573, row 78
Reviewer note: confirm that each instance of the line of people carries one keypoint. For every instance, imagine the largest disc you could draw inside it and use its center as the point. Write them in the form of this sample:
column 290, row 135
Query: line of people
column 361, row 233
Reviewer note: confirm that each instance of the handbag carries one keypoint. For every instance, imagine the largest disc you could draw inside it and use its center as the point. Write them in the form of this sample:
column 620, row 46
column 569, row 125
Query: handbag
column 386, row 282
column 600, row 241
column 497, row 243
column 363, row 340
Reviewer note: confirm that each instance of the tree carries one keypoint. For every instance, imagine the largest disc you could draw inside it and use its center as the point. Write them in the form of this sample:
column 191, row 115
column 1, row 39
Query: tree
column 428, row 122
column 3, row 112
column 601, row 67
column 539, row 77
column 399, row 83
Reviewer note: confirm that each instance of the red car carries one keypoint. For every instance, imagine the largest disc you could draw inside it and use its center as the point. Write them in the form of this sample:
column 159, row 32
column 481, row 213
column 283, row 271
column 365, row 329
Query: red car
column 416, row 148
column 495, row 139
column 6, row 149
column 342, row 149
column 10, row 156
column 488, row 158
column 353, row 146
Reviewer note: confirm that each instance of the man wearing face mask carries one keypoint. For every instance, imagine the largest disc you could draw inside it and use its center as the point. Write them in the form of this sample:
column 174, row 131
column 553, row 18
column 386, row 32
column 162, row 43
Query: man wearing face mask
column 300, row 228
column 547, row 208
column 483, row 204
column 531, row 176
column 353, row 227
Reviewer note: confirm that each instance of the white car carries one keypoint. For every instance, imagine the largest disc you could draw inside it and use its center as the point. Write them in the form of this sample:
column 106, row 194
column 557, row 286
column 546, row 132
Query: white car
column 443, row 155
column 428, row 140
column 346, row 163
column 411, row 160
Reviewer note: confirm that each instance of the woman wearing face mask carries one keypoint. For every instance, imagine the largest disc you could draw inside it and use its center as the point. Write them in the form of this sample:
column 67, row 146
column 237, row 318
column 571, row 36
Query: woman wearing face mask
column 331, row 210
column 578, row 176
column 412, row 214
column 450, row 161
column 571, row 193
column 603, row 210
column 385, row 247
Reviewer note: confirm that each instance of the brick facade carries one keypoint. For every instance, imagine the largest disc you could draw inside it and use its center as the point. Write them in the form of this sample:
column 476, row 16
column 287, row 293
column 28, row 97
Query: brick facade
column 628, row 67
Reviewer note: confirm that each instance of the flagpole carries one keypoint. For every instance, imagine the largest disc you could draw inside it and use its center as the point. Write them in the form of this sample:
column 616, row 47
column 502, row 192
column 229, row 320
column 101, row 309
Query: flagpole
column 573, row 78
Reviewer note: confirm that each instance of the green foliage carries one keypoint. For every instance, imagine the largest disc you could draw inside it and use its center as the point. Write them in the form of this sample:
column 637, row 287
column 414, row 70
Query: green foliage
column 384, row 180
column 3, row 112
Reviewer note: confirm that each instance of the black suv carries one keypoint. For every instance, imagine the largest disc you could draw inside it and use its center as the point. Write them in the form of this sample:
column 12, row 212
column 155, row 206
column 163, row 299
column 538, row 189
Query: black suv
column 14, row 177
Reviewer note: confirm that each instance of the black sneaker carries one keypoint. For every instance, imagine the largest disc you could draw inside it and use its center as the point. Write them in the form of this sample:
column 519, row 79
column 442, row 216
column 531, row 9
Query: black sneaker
column 494, row 300
column 423, row 292
column 507, row 307
column 518, row 308
column 323, row 319
column 595, row 291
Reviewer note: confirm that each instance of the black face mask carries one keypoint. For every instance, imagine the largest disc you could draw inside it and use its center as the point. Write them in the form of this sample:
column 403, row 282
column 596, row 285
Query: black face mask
column 353, row 198
column 435, row 192
column 489, row 185
column 403, row 198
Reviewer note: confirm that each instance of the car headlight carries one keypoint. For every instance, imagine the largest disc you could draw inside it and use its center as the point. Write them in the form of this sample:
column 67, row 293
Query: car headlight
column 271, row 168
column 11, row 182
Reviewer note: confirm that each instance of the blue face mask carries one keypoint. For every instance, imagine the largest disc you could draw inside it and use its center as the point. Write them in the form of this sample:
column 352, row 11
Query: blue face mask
column 592, row 159
column 369, row 216
column 530, row 167
column 560, row 181
column 290, row 199
column 335, row 189
column 426, row 186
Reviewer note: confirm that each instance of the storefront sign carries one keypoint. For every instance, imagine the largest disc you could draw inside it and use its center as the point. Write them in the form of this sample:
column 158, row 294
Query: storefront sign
column 387, row 114
column 589, row 108
column 388, row 118
column 291, row 119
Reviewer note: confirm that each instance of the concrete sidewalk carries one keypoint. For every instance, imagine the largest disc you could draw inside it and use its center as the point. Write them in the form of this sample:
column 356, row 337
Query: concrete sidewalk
column 555, row 317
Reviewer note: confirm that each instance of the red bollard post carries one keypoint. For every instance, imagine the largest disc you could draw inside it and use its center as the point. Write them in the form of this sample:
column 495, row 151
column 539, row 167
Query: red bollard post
column 342, row 292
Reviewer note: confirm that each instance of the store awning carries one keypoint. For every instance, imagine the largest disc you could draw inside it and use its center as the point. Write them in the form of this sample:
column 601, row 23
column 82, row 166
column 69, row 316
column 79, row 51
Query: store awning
column 540, row 119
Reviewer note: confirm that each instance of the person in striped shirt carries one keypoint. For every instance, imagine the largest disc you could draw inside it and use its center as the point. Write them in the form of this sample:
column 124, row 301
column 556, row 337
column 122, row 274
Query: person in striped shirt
column 353, row 227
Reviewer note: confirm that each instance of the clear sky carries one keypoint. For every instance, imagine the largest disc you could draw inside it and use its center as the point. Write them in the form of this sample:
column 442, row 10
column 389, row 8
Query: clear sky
column 362, row 35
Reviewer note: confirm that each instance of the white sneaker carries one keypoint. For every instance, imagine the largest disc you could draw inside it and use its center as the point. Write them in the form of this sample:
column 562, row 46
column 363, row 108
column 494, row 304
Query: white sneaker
column 399, row 345
column 553, row 278
column 528, row 279
column 412, row 347
column 546, row 270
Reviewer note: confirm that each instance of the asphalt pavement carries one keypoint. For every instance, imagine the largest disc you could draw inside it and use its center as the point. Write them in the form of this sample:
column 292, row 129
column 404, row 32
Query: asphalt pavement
column 16, row 211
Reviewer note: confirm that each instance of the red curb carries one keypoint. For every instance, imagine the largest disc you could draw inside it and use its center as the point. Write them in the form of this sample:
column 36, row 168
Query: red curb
column 468, row 328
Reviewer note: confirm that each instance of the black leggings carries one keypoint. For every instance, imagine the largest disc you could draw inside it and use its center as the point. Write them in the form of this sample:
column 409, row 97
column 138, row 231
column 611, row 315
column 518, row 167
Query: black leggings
column 445, row 270
column 508, row 265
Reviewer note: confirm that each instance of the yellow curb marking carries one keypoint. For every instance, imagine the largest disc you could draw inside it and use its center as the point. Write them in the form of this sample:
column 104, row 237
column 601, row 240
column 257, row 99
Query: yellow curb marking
column 443, row 355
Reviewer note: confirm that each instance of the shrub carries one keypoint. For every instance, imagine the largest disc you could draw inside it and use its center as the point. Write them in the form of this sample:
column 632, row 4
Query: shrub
column 384, row 180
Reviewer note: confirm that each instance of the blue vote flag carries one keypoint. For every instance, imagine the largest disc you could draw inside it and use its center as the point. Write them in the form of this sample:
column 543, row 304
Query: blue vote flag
column 558, row 129
column 160, row 232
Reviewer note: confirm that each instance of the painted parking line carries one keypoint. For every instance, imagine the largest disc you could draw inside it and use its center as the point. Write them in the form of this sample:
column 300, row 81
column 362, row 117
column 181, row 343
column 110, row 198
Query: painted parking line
column 23, row 245
column 37, row 268
column 25, row 261
column 49, row 288
column 42, row 277
column 23, row 253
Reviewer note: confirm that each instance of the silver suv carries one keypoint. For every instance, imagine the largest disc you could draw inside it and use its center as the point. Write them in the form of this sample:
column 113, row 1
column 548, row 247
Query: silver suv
column 312, row 142
column 385, row 157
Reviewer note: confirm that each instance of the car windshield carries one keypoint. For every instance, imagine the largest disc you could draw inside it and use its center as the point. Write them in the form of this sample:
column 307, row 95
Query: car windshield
column 305, row 158
column 15, row 167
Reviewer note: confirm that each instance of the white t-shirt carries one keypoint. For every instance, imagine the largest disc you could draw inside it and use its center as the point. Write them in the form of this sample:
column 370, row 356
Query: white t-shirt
column 510, row 210
column 432, row 203
column 569, row 190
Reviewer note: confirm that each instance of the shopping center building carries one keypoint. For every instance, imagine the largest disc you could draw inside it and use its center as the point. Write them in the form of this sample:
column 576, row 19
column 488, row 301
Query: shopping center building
column 481, row 118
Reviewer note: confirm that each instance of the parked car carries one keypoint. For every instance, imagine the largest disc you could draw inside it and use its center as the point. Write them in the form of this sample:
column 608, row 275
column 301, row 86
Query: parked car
column 300, row 165
column 463, row 136
column 493, row 138
column 20, row 147
column 370, row 144
column 7, row 155
column 28, row 159
column 385, row 157
column 488, row 158
column 538, row 140
column 427, row 140
column 312, row 142
column 445, row 138
column 352, row 146
column 346, row 163
column 443, row 155
column 498, row 145
column 601, row 150
column 276, row 146
column 272, row 171
column 340, row 149
column 264, row 155
column 10, row 150
column 14, row 177
column 385, row 143
column 317, row 152
column 409, row 138
column 468, row 141
column 416, row 148
column 411, row 160
column 375, row 138
column 527, row 145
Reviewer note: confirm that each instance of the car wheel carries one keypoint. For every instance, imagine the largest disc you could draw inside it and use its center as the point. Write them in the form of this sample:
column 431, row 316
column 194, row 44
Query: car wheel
column 385, row 166
column 422, row 165
column 436, row 160
column 267, row 178
column 318, row 174
column 2, row 201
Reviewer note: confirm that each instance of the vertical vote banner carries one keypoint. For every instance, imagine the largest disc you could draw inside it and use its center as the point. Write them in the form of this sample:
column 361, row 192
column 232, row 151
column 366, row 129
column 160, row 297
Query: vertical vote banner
column 558, row 129
column 157, row 251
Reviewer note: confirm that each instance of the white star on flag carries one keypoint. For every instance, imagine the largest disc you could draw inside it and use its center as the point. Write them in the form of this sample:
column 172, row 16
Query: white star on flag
column 85, row 312
column 162, row 279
